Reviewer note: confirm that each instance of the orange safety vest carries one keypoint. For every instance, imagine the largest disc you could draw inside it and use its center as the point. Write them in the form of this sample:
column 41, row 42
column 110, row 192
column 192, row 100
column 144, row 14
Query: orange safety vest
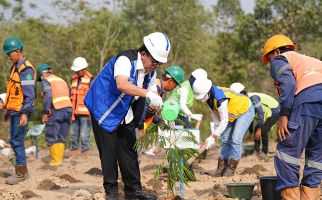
column 60, row 92
column 78, row 94
column 307, row 70
column 15, row 97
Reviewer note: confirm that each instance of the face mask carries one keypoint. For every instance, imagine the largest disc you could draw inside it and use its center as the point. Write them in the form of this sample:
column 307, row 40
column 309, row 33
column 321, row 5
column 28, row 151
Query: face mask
column 205, row 98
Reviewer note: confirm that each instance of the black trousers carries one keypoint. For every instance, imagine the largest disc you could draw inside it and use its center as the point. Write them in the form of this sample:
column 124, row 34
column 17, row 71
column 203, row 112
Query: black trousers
column 117, row 149
column 265, row 129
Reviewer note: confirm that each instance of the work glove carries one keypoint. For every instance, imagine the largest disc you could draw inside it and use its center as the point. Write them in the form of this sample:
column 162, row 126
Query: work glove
column 155, row 100
column 210, row 141
column 197, row 117
column 2, row 144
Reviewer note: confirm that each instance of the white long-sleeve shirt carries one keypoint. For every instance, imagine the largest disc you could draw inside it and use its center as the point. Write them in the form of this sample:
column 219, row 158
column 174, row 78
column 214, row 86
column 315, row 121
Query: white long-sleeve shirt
column 183, row 93
column 221, row 122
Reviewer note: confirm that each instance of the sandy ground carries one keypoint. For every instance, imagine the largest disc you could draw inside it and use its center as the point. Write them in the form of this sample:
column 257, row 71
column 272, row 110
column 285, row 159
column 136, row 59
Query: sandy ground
column 81, row 179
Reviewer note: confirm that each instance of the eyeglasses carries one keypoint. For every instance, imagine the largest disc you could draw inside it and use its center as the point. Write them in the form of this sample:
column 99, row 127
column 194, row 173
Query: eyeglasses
column 154, row 61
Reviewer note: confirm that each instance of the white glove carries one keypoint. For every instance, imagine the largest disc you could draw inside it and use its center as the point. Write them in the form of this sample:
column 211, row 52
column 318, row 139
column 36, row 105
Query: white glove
column 6, row 151
column 210, row 141
column 2, row 143
column 31, row 150
column 155, row 99
column 197, row 117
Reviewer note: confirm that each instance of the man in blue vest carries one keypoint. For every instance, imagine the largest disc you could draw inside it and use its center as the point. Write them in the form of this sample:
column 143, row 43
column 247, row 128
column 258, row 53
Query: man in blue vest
column 127, row 76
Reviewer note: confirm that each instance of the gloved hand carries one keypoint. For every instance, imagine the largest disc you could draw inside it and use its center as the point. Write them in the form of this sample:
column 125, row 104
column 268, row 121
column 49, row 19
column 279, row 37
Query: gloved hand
column 197, row 117
column 210, row 141
column 155, row 99
column 2, row 144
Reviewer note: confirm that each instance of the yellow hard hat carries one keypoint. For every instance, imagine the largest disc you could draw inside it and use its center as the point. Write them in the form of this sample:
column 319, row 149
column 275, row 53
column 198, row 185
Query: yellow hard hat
column 275, row 42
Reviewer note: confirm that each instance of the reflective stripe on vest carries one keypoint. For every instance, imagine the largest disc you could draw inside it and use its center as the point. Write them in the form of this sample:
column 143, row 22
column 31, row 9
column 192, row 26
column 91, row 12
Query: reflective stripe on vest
column 78, row 93
column 307, row 70
column 238, row 104
column 108, row 105
column 60, row 92
column 15, row 97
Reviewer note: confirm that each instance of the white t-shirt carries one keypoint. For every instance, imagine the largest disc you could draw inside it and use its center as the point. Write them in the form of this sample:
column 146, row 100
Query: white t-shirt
column 123, row 67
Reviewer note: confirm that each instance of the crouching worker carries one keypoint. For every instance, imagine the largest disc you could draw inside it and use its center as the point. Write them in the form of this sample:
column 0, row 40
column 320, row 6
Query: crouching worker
column 267, row 111
column 232, row 114
column 173, row 77
column 184, row 95
column 57, row 112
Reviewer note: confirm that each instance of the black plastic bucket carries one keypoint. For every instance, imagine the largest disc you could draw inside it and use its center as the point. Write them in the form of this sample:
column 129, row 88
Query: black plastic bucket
column 268, row 185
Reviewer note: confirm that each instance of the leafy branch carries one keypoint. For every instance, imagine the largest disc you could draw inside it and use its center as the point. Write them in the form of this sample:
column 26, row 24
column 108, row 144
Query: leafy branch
column 176, row 157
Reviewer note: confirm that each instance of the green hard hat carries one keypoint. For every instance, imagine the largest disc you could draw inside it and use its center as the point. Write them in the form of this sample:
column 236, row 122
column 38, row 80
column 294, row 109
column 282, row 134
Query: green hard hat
column 177, row 73
column 12, row 44
column 40, row 69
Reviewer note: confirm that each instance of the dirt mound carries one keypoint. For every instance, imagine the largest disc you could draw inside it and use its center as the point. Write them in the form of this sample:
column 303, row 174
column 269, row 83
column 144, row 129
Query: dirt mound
column 82, row 195
column 149, row 167
column 28, row 194
column 5, row 174
column 220, row 189
column 69, row 178
column 48, row 184
column 4, row 194
column 156, row 184
column 256, row 169
column 94, row 172
column 48, row 168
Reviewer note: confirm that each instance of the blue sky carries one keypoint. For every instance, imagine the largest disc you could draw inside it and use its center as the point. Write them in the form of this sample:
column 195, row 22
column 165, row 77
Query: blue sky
column 247, row 5
column 44, row 6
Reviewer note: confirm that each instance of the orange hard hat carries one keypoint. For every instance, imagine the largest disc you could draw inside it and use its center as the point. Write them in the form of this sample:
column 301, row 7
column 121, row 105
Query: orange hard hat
column 276, row 42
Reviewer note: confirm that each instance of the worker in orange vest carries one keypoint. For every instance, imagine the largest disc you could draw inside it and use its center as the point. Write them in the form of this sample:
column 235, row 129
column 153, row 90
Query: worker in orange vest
column 57, row 112
column 19, row 102
column 81, row 123
column 298, row 79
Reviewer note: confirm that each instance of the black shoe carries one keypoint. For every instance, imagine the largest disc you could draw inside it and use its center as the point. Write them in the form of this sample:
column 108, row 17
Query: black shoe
column 139, row 195
column 112, row 196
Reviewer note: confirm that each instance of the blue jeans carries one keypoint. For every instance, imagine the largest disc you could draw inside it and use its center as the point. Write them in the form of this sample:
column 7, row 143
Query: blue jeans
column 232, row 137
column 17, row 139
column 81, row 129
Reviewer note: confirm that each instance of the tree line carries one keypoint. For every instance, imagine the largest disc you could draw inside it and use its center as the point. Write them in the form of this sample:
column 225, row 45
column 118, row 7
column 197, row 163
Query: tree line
column 224, row 40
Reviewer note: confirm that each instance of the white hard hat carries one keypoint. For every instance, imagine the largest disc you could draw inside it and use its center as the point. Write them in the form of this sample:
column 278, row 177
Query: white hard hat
column 158, row 45
column 237, row 87
column 79, row 63
column 199, row 73
column 3, row 97
column 201, row 87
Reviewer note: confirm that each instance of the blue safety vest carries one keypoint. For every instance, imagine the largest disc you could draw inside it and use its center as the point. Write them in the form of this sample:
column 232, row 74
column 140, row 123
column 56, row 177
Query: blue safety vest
column 108, row 105
column 216, row 94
